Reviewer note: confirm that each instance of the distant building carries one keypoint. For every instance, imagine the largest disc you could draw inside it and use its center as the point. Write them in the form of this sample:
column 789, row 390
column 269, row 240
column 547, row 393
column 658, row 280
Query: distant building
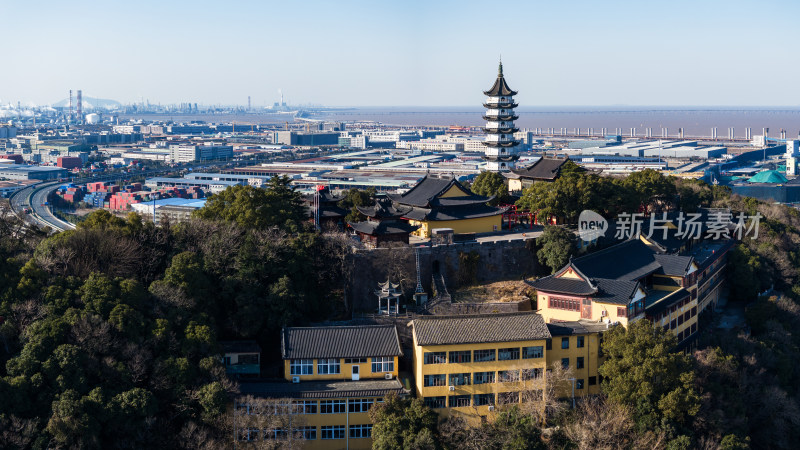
column 69, row 162
column 25, row 172
column 191, row 153
column 384, row 233
column 306, row 138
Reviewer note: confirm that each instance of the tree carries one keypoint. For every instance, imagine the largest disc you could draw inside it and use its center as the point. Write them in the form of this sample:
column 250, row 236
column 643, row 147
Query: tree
column 511, row 429
column 598, row 423
column 491, row 184
column 278, row 204
column 353, row 198
column 252, row 416
column 402, row 423
column 643, row 371
column 556, row 244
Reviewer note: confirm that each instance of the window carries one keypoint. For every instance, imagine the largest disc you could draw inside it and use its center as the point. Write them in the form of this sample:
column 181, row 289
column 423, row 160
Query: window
column 532, row 395
column 435, row 358
column 507, row 376
column 592, row 381
column 305, row 406
column 355, row 360
column 579, row 383
column 333, row 432
column 565, row 363
column 532, row 352
column 383, row 364
column 564, row 343
column 672, row 325
column 460, row 357
column 622, row 312
column 308, row 433
column 359, row 405
column 482, row 377
column 680, row 319
column 458, row 401
column 531, row 374
column 301, row 367
column 568, row 304
column 505, row 398
column 482, row 399
column 459, row 379
column 694, row 311
column 484, row 355
column 327, row 366
column 435, row 380
column 226, row 360
column 276, row 434
column 548, row 344
column 579, row 362
column 505, row 354
column 694, row 327
column 579, row 343
column 435, row 402
column 331, row 407
column 360, row 431
column 248, row 434
column 248, row 359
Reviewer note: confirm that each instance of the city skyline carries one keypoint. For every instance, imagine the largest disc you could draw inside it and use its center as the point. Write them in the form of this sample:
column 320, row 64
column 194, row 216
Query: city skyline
column 415, row 54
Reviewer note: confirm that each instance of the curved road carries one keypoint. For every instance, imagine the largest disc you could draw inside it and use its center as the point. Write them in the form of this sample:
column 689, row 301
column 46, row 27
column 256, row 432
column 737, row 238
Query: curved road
column 35, row 196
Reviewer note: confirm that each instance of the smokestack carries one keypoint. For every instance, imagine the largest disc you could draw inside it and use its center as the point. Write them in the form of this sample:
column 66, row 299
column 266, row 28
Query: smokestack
column 80, row 108
column 248, row 103
column 69, row 119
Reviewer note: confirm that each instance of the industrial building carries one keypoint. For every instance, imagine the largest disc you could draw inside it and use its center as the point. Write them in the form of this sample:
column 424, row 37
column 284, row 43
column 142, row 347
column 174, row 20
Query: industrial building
column 27, row 172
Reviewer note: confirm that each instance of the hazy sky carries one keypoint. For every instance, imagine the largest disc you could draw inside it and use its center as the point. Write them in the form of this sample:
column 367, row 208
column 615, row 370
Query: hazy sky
column 403, row 52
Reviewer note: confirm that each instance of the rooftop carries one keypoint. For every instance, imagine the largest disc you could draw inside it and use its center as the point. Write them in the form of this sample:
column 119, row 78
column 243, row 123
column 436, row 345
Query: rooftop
column 340, row 342
column 320, row 389
column 479, row 328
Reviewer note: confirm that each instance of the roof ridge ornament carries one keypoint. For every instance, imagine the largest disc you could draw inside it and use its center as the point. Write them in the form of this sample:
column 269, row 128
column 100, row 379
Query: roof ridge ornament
column 500, row 67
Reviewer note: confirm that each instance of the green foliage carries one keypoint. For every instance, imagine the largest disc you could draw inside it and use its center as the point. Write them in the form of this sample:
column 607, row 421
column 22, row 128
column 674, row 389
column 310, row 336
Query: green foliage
column 733, row 442
column 744, row 268
column 402, row 423
column 556, row 244
column 356, row 197
column 276, row 205
column 212, row 399
column 643, row 371
column 491, row 184
column 101, row 219
column 516, row 430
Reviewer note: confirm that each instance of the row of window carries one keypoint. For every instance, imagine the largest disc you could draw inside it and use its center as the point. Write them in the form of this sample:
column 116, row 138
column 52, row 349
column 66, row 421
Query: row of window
column 307, row 433
column 675, row 323
column 487, row 355
column 337, row 431
column 333, row 366
column 357, row 405
column 568, row 304
column 463, row 379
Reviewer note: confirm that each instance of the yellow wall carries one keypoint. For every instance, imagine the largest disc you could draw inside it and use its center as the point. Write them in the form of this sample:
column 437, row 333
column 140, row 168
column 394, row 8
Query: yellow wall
column 319, row 420
column 454, row 191
column 345, row 371
column 473, row 413
column 477, row 225
column 591, row 360
column 563, row 315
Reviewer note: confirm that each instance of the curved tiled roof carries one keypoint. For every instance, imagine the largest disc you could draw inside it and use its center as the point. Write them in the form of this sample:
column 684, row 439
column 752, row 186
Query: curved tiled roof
column 500, row 87
column 384, row 227
column 340, row 342
column 454, row 213
column 479, row 328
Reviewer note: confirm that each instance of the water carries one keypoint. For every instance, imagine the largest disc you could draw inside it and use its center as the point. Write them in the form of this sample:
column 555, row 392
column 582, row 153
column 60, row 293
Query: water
column 696, row 121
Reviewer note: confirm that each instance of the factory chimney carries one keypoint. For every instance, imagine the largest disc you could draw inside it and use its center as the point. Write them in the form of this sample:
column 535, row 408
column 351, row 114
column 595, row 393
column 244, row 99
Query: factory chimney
column 80, row 108
column 69, row 119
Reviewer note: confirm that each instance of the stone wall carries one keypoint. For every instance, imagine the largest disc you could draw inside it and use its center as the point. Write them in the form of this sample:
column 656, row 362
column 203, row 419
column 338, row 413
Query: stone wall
column 462, row 265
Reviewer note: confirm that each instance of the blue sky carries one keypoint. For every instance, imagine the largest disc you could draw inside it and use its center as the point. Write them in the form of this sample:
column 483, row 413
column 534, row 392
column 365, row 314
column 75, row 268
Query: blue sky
column 437, row 53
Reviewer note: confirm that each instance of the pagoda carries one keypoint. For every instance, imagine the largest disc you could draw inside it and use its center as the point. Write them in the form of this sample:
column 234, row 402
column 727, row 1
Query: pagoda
column 501, row 147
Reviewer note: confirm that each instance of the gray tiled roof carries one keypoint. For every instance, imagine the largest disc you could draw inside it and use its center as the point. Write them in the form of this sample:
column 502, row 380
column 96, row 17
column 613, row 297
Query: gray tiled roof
column 479, row 328
column 563, row 285
column 455, row 213
column 674, row 265
column 320, row 389
column 615, row 291
column 384, row 227
column 629, row 260
column 361, row 341
column 543, row 169
column 429, row 188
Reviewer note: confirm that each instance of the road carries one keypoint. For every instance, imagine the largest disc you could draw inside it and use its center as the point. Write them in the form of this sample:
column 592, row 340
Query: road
column 35, row 196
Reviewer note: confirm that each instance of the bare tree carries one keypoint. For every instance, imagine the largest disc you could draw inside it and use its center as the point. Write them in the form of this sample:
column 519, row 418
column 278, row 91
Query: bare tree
column 599, row 423
column 264, row 423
